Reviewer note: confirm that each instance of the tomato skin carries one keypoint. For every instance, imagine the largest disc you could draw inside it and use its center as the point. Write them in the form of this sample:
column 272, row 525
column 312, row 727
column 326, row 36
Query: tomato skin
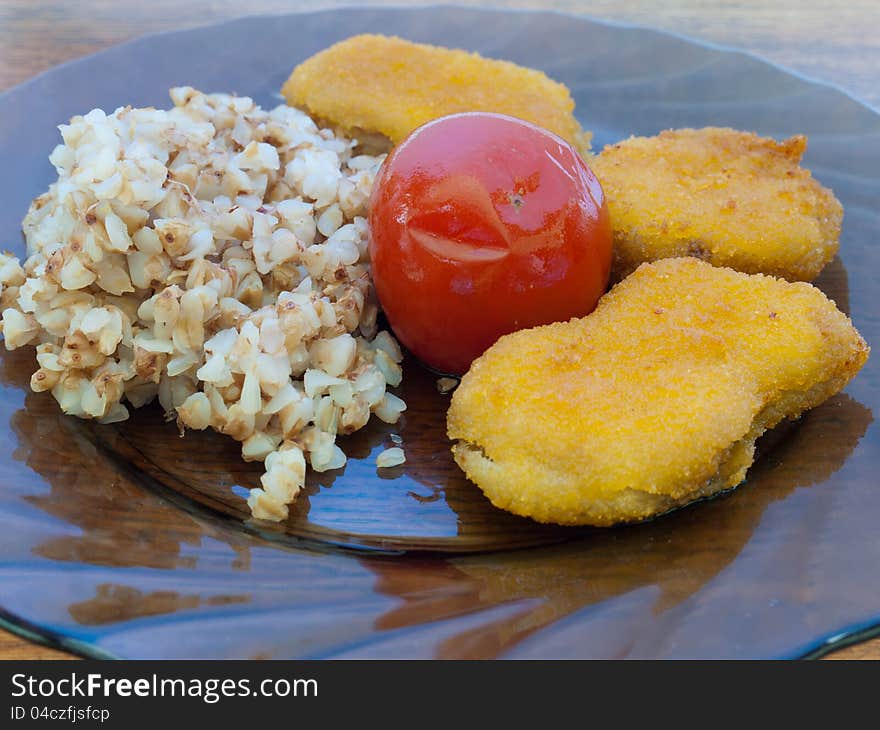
column 482, row 224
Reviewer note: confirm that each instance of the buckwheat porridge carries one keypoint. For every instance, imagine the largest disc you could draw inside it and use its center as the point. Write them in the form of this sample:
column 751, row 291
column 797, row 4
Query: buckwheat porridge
column 213, row 256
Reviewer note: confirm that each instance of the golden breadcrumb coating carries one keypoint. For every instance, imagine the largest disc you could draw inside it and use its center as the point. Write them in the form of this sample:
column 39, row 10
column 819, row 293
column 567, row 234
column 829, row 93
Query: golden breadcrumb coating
column 653, row 400
column 728, row 197
column 385, row 84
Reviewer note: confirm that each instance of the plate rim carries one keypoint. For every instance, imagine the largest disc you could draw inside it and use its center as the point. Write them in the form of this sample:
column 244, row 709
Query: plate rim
column 17, row 625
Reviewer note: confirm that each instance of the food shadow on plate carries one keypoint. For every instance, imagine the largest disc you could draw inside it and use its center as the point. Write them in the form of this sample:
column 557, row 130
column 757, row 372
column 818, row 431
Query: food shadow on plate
column 672, row 557
column 424, row 504
column 103, row 517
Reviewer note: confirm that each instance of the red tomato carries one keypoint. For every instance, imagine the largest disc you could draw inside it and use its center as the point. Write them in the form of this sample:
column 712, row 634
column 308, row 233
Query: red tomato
column 482, row 224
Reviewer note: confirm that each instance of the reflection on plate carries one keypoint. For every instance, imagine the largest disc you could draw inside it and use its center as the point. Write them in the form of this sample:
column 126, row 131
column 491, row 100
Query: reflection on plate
column 129, row 541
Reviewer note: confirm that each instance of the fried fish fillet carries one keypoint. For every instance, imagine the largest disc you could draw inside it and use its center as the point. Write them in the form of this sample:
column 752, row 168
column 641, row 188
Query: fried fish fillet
column 728, row 197
column 384, row 84
column 653, row 400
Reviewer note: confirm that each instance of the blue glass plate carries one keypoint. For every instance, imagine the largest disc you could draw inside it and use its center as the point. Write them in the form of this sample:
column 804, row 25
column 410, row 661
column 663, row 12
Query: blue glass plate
column 126, row 541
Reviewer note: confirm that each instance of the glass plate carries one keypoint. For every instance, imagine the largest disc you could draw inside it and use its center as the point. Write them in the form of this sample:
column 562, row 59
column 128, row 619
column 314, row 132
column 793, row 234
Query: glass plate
column 130, row 541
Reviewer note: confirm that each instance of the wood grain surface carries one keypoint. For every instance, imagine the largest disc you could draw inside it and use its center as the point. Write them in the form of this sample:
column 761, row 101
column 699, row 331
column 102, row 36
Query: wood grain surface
column 829, row 42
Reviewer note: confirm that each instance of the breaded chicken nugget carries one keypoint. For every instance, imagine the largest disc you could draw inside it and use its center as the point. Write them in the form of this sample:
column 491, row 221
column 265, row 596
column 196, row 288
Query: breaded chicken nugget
column 653, row 400
column 385, row 84
column 728, row 197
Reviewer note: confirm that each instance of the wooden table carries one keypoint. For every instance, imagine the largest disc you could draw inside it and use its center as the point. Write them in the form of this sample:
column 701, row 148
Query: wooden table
column 830, row 42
